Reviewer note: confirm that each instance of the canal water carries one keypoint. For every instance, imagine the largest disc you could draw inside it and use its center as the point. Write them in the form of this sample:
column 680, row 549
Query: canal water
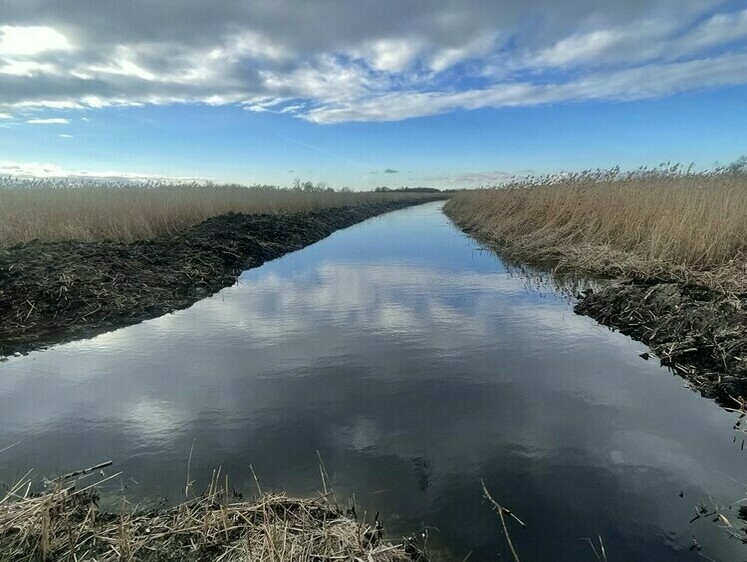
column 417, row 364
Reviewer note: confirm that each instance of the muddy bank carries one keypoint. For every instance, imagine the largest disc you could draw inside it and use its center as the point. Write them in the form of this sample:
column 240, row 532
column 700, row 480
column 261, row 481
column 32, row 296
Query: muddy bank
column 56, row 292
column 698, row 332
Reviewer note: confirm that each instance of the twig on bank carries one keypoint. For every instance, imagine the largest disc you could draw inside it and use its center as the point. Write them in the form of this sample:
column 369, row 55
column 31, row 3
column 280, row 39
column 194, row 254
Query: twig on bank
column 83, row 471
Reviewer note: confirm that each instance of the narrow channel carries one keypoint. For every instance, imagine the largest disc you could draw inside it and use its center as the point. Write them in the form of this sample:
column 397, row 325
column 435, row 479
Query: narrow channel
column 416, row 363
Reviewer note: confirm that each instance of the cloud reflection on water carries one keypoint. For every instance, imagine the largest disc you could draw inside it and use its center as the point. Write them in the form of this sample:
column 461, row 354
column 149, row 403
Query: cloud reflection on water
column 414, row 375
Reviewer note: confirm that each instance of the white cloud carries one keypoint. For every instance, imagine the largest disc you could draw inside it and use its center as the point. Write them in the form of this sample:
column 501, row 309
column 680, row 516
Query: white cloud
column 65, row 136
column 51, row 121
column 717, row 30
column 5, row 116
column 467, row 178
column 392, row 55
column 25, row 68
column 31, row 40
column 122, row 63
column 53, row 171
column 335, row 62
column 642, row 82
column 445, row 58
column 30, row 169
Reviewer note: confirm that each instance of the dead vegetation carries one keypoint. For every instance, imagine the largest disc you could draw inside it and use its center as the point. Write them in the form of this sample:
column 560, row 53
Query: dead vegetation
column 675, row 242
column 658, row 224
column 52, row 210
column 65, row 523
column 697, row 332
column 56, row 292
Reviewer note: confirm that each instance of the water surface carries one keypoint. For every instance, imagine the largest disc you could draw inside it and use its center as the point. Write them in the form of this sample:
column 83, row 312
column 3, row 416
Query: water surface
column 416, row 365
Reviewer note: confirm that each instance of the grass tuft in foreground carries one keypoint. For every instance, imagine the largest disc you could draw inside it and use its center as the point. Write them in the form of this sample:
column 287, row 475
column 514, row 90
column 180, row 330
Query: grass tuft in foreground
column 65, row 523
column 647, row 224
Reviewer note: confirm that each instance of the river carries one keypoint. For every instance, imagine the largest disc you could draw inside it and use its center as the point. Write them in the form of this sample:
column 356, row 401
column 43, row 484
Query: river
column 416, row 364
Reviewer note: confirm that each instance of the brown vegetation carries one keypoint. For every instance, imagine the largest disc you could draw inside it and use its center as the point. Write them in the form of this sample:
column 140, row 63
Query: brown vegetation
column 53, row 211
column 54, row 292
column 676, row 243
column 65, row 523
column 662, row 225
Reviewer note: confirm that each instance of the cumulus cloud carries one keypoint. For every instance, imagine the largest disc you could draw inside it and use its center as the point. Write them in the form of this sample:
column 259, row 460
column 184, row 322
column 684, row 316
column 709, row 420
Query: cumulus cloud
column 338, row 61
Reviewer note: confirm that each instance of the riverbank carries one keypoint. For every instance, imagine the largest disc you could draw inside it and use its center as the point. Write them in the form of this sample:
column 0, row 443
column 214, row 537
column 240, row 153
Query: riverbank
column 66, row 523
column 674, row 245
column 56, row 292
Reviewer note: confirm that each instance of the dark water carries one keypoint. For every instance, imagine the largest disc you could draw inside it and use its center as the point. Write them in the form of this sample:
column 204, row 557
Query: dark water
column 417, row 366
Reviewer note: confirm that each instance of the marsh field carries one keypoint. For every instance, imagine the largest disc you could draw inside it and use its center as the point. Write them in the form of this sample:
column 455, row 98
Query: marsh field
column 410, row 350
column 690, row 227
column 58, row 210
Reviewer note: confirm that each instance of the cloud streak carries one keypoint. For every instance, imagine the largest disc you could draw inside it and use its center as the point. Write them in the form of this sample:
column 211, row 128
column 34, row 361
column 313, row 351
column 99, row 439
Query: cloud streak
column 336, row 62
column 52, row 121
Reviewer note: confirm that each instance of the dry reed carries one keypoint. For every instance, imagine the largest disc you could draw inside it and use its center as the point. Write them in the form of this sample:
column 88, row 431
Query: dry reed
column 55, row 210
column 645, row 224
column 65, row 523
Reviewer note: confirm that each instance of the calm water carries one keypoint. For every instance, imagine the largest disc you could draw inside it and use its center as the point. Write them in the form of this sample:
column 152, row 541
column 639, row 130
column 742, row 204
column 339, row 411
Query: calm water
column 416, row 365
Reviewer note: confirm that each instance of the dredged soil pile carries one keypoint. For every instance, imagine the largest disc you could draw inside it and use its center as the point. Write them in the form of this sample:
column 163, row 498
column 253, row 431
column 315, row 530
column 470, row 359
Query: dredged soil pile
column 698, row 332
column 55, row 292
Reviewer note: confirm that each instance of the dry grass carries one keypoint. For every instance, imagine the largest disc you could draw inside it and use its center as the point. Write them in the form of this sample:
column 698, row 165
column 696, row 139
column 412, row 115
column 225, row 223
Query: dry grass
column 54, row 211
column 647, row 224
column 65, row 523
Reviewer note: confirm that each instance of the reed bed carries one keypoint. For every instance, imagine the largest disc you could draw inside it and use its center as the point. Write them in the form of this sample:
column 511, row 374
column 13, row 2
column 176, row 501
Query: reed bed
column 65, row 523
column 647, row 224
column 52, row 211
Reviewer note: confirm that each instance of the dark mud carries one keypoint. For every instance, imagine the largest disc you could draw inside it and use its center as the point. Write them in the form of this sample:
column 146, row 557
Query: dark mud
column 699, row 333
column 56, row 292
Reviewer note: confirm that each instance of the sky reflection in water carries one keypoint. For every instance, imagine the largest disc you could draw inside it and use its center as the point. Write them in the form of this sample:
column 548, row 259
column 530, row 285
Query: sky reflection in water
column 416, row 365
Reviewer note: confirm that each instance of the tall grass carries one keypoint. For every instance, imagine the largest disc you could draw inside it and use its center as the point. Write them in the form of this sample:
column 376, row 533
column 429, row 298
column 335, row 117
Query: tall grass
column 54, row 211
column 645, row 223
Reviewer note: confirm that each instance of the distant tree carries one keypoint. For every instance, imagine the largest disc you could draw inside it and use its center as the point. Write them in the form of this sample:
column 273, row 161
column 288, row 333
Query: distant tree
column 345, row 189
column 296, row 185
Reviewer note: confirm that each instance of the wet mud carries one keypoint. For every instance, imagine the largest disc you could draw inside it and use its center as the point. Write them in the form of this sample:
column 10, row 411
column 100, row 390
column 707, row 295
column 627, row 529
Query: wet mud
column 57, row 292
column 700, row 333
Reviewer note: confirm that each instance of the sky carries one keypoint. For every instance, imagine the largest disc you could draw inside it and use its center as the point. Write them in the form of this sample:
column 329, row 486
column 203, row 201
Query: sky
column 443, row 93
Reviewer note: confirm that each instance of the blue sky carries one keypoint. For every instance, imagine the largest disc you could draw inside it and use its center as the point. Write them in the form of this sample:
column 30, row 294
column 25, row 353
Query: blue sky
column 427, row 92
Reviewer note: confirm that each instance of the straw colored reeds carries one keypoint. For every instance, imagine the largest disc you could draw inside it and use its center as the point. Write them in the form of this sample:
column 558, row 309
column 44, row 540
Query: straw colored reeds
column 65, row 523
column 648, row 224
